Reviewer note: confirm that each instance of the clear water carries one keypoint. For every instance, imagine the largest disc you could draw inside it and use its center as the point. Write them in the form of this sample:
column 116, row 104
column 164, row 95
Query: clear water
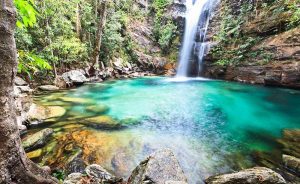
column 212, row 126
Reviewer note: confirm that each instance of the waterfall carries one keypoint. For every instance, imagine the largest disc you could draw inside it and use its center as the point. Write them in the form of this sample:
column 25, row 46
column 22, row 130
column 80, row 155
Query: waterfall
column 194, row 45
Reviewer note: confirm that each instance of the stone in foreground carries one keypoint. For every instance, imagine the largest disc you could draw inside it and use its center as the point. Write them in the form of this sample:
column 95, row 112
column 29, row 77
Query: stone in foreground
column 74, row 178
column 160, row 168
column 99, row 174
column 256, row 175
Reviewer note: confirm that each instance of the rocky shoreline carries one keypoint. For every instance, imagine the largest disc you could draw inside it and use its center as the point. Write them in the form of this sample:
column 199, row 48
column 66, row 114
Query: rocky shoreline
column 161, row 166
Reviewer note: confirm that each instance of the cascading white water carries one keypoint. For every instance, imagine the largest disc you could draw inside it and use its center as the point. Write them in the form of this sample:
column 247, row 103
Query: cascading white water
column 197, row 21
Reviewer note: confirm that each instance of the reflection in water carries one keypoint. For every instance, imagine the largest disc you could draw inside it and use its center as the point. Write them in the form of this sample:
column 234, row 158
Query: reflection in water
column 212, row 126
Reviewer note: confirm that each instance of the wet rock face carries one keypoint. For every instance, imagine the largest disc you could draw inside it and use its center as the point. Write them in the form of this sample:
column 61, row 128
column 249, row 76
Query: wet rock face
column 161, row 167
column 257, row 175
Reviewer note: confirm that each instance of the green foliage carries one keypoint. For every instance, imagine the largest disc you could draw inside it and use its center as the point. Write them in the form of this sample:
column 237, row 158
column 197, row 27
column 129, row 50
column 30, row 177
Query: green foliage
column 164, row 29
column 26, row 13
column 30, row 63
column 47, row 32
column 112, row 38
column 60, row 175
column 166, row 35
column 67, row 50
column 294, row 8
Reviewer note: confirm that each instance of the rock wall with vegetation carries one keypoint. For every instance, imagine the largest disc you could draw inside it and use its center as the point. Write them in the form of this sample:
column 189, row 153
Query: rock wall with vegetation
column 256, row 42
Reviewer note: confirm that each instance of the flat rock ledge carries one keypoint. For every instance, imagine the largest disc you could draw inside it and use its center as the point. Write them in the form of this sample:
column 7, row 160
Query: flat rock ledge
column 256, row 175
column 160, row 167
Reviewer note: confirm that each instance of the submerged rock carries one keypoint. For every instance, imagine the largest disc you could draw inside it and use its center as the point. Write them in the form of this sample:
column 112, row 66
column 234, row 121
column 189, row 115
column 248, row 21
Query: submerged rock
column 292, row 163
column 76, row 100
column 98, row 109
column 99, row 174
column 256, row 175
column 161, row 167
column 35, row 154
column 101, row 122
column 290, row 142
column 37, row 140
column 48, row 88
column 75, row 163
column 39, row 113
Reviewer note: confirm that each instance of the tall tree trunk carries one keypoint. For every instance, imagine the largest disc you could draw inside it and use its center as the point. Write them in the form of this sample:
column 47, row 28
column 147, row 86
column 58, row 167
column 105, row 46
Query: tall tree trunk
column 78, row 22
column 15, row 167
column 48, row 38
column 101, row 24
column 96, row 10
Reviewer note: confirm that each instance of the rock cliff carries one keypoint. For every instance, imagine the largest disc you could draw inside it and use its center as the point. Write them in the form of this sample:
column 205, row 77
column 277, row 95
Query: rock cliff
column 255, row 42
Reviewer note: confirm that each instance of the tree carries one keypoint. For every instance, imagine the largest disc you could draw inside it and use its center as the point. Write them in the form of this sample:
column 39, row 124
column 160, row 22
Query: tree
column 15, row 167
column 101, row 24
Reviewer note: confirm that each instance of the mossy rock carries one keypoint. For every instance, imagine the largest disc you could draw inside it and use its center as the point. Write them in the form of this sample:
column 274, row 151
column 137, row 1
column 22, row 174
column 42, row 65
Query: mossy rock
column 37, row 140
column 35, row 154
column 56, row 103
column 55, row 111
column 97, row 109
column 50, row 147
column 76, row 100
column 38, row 112
column 74, row 115
column 102, row 122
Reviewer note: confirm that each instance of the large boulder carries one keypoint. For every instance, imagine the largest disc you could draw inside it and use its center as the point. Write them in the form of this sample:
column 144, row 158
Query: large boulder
column 161, row 167
column 37, row 140
column 98, row 173
column 74, row 78
column 256, row 175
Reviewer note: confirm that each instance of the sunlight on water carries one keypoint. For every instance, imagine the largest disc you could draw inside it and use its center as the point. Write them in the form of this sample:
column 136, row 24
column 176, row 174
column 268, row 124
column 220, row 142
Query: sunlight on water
column 212, row 126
